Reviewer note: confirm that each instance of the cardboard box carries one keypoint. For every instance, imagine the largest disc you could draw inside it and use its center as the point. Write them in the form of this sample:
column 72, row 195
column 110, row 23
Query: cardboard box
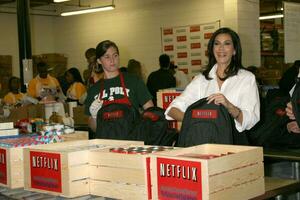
column 63, row 169
column 164, row 98
column 120, row 175
column 79, row 117
column 208, row 171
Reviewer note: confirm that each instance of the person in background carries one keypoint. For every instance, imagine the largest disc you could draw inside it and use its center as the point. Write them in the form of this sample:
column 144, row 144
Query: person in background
column 135, row 67
column 77, row 88
column 14, row 96
column 223, row 82
column 95, row 71
column 44, row 86
column 110, row 90
column 182, row 79
column 162, row 78
column 63, row 83
column 288, row 78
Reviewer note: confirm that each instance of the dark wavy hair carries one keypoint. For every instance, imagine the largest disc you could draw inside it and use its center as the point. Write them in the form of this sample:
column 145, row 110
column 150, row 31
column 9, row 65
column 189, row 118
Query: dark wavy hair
column 103, row 46
column 76, row 74
column 236, row 61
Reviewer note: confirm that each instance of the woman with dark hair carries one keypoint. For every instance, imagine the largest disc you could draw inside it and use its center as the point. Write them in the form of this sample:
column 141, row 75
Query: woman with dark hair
column 77, row 88
column 14, row 96
column 224, row 82
column 116, row 87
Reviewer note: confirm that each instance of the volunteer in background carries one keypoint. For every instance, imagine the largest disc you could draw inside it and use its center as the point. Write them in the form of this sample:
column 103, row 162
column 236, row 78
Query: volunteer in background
column 44, row 86
column 224, row 82
column 77, row 88
column 14, row 96
column 110, row 90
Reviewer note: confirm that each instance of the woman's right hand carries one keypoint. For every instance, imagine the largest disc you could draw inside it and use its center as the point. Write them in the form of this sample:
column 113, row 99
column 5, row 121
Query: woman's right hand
column 289, row 111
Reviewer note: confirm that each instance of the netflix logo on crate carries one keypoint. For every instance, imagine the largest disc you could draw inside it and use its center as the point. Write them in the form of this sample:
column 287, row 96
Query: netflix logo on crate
column 182, row 55
column 168, row 31
column 194, row 28
column 45, row 171
column 3, row 168
column 178, row 179
column 181, row 38
column 168, row 47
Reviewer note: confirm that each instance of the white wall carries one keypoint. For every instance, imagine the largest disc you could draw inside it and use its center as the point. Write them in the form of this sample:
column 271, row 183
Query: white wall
column 42, row 37
column 134, row 25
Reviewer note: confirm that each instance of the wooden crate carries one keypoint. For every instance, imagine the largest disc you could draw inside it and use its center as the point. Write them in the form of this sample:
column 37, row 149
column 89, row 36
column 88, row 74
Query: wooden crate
column 119, row 175
column 11, row 167
column 164, row 98
column 11, row 161
column 63, row 168
column 193, row 173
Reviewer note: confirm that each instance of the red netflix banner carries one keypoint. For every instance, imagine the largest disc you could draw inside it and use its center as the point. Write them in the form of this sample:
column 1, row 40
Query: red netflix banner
column 178, row 179
column 182, row 55
column 3, row 167
column 194, row 28
column 196, row 62
column 169, row 48
column 168, row 31
column 45, row 171
column 181, row 38
column 195, row 45
column 167, row 98
column 204, row 114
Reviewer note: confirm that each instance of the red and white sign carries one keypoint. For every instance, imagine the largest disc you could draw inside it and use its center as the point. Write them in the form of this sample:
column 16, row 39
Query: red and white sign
column 186, row 45
column 167, row 98
column 3, row 166
column 178, row 179
column 45, row 171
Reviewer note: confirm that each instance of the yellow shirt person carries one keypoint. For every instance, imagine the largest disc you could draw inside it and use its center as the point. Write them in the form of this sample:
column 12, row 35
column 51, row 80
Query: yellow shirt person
column 14, row 96
column 43, row 84
column 75, row 91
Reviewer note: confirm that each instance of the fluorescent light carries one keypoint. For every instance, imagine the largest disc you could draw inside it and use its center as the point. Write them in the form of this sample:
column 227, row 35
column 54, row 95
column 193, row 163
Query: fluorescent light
column 90, row 10
column 58, row 1
column 271, row 17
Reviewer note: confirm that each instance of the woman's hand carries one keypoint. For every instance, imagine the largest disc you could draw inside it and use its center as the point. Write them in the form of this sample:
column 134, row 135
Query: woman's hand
column 289, row 111
column 218, row 99
column 293, row 127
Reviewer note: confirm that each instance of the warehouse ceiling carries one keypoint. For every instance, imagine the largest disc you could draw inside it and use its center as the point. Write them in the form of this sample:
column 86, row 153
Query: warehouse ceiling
column 266, row 6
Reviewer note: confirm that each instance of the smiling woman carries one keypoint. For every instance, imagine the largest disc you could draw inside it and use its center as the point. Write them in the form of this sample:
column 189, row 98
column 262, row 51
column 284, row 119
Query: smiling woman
column 224, row 82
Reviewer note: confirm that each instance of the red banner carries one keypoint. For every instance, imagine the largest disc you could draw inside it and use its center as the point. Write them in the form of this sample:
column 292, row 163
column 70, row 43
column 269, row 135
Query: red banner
column 181, row 38
column 45, row 171
column 196, row 62
column 178, row 179
column 194, row 28
column 207, row 35
column 3, row 167
column 169, row 48
column 182, row 55
column 195, row 45
column 168, row 31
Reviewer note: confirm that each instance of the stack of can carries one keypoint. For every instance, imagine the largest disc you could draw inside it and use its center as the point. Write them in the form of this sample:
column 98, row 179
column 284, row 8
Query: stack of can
column 139, row 150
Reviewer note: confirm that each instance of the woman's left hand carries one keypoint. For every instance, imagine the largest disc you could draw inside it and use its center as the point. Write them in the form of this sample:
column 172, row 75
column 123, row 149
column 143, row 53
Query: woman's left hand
column 218, row 99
